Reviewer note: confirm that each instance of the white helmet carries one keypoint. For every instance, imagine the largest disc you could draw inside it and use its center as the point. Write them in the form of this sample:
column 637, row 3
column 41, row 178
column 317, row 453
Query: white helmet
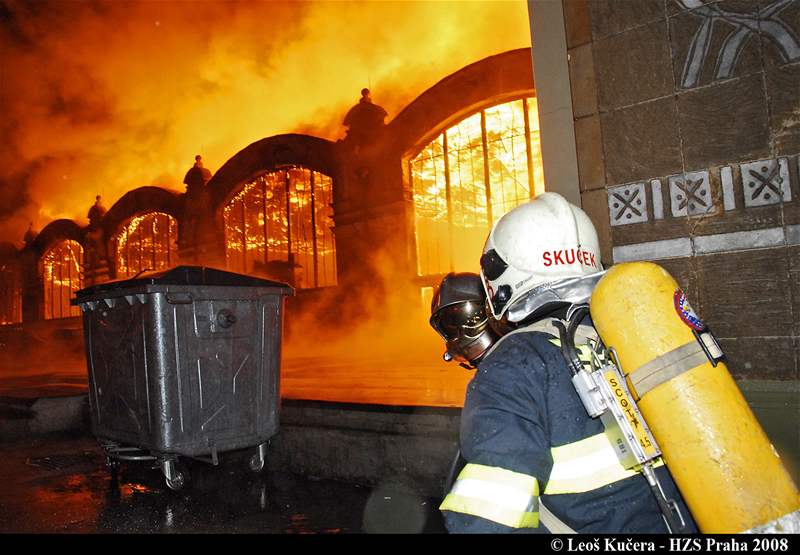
column 540, row 253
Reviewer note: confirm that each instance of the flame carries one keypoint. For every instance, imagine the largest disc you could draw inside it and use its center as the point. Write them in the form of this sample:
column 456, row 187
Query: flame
column 11, row 299
column 103, row 97
column 63, row 267
column 259, row 224
column 147, row 242
column 392, row 356
column 485, row 145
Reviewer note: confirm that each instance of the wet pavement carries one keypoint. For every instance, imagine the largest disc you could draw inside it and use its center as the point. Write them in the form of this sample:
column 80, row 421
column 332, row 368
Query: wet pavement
column 58, row 483
column 48, row 361
column 401, row 381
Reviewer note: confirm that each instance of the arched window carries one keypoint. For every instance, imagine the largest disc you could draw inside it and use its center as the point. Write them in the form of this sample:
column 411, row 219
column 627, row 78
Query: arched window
column 469, row 176
column 63, row 275
column 147, row 242
column 10, row 293
column 279, row 226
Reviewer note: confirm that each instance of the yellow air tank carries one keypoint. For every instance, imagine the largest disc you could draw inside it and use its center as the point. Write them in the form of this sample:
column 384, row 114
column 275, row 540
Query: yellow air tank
column 722, row 461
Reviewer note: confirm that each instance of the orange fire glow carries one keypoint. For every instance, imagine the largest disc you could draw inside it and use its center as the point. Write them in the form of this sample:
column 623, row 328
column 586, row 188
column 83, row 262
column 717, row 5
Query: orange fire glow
column 279, row 226
column 104, row 97
column 63, row 275
column 463, row 181
column 390, row 356
column 485, row 174
column 147, row 242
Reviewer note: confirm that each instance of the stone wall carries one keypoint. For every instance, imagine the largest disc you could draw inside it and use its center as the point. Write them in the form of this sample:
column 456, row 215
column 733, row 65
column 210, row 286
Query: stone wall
column 687, row 122
column 401, row 447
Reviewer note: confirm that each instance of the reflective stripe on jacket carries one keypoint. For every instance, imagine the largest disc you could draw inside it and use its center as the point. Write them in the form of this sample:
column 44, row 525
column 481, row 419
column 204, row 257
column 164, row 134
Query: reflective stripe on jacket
column 495, row 494
column 512, row 498
column 585, row 465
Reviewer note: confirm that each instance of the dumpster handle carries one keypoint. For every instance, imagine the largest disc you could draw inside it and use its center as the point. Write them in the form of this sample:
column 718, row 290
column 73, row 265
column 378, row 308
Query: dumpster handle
column 140, row 272
column 226, row 318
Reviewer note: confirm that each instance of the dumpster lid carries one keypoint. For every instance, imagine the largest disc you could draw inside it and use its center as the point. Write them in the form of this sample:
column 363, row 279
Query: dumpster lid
column 182, row 275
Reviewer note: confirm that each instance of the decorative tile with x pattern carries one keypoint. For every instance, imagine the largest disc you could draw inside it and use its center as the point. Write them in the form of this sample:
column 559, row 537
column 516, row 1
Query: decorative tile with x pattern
column 690, row 194
column 766, row 182
column 627, row 204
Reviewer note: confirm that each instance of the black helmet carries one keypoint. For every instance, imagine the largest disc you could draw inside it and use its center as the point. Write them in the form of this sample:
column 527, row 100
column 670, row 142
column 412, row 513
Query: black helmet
column 458, row 314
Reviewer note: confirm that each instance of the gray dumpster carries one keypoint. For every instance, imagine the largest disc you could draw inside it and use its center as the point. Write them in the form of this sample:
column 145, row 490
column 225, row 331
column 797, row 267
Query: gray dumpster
column 183, row 362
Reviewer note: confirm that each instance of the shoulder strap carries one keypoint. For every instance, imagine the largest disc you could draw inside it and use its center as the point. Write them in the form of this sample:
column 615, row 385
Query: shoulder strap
column 583, row 333
column 552, row 522
column 545, row 326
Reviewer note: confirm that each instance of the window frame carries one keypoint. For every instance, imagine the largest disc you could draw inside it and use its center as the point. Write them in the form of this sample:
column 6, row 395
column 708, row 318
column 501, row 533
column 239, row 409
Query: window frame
column 171, row 243
column 534, row 180
column 324, row 271
column 49, row 312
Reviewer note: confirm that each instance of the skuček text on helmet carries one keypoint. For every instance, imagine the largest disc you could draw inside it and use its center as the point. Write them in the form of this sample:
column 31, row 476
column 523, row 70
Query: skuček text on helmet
column 538, row 255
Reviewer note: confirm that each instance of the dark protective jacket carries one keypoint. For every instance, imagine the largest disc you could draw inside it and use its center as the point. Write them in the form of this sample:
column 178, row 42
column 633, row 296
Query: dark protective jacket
column 527, row 438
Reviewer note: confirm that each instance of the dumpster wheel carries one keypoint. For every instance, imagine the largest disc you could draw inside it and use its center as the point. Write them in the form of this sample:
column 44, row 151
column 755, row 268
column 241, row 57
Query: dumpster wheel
column 175, row 475
column 115, row 453
column 256, row 462
column 177, row 482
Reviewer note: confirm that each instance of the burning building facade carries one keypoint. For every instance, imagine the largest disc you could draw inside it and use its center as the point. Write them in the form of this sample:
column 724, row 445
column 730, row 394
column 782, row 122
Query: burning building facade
column 299, row 208
column 403, row 201
column 676, row 161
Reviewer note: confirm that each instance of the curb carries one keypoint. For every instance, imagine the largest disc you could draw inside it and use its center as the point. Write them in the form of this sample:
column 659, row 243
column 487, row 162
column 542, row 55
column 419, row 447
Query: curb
column 21, row 418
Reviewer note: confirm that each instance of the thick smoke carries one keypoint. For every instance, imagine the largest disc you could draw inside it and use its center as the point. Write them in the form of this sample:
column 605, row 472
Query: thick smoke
column 373, row 345
column 101, row 97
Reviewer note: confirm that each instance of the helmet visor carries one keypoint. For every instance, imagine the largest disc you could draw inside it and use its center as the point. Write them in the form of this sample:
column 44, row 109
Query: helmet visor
column 459, row 320
column 492, row 265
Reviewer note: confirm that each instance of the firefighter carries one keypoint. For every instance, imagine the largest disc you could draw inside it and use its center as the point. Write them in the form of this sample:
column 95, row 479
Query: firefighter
column 536, row 462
